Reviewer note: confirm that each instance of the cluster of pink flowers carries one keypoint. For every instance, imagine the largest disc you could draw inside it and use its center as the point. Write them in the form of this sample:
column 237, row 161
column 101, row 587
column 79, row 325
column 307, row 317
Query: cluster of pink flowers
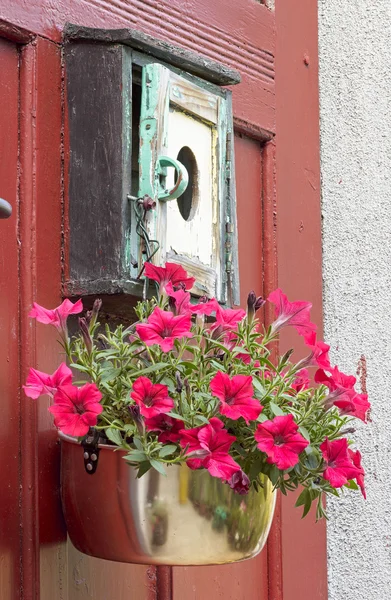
column 208, row 446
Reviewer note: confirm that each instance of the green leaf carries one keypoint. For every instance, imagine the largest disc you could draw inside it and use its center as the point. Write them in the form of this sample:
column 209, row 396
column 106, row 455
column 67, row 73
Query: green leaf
column 158, row 467
column 351, row 485
column 167, row 450
column 114, row 436
column 158, row 367
column 79, row 368
column 276, row 410
column 202, row 419
column 175, row 415
column 135, row 456
column 305, row 433
column 262, row 418
column 258, row 386
column 143, row 468
column 138, row 443
column 109, row 374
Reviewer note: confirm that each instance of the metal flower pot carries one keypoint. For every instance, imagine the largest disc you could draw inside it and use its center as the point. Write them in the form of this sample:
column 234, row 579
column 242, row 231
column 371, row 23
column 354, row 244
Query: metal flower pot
column 186, row 518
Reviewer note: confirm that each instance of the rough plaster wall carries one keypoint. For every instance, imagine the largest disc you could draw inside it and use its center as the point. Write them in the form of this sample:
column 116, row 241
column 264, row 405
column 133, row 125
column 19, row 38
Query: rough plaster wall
column 355, row 101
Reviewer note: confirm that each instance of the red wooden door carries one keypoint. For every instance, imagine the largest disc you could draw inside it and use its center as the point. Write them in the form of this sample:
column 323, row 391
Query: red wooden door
column 9, row 325
column 277, row 191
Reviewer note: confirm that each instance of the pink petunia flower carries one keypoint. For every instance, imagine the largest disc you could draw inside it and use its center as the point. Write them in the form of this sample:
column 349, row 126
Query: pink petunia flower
column 162, row 328
column 39, row 383
column 167, row 427
column 152, row 398
column 339, row 466
column 170, row 273
column 342, row 393
column 58, row 316
column 179, row 300
column 208, row 448
column 280, row 441
column 239, row 482
column 76, row 409
column 205, row 308
column 356, row 460
column 236, row 396
column 319, row 356
column 301, row 381
column 296, row 314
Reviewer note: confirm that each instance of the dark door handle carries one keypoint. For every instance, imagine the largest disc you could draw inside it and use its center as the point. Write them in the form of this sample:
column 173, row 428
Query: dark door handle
column 5, row 209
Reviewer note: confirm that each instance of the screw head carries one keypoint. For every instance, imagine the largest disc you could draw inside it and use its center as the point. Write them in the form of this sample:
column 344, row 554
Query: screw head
column 89, row 467
column 86, row 455
column 94, row 457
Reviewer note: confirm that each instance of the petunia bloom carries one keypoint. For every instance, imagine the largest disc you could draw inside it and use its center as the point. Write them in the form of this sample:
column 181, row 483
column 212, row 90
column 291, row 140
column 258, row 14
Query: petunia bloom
column 319, row 356
column 179, row 300
column 342, row 393
column 239, row 482
column 280, row 441
column 76, row 409
column 208, row 447
column 301, row 381
column 58, row 316
column 152, row 398
column 167, row 427
column 296, row 314
column 170, row 273
column 39, row 383
column 339, row 467
column 236, row 396
column 356, row 460
column 162, row 328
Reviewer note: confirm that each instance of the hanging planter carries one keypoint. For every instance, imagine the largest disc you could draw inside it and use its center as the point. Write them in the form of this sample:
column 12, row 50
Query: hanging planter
column 184, row 518
column 172, row 448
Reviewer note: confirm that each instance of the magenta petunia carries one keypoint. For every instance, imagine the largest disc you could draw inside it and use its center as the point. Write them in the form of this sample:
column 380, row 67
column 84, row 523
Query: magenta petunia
column 236, row 396
column 342, row 393
column 296, row 314
column 355, row 457
column 179, row 300
column 76, row 409
column 170, row 273
column 208, row 447
column 301, row 381
column 39, row 383
column 319, row 356
column 167, row 427
column 162, row 328
column 280, row 440
column 339, row 467
column 152, row 398
column 58, row 316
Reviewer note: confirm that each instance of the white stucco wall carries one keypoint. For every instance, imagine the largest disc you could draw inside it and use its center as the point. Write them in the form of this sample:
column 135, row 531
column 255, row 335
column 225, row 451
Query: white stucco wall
column 355, row 103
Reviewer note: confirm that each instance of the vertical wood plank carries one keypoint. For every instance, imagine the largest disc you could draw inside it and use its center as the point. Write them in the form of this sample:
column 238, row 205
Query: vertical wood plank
column 9, row 327
column 98, row 96
column 299, row 249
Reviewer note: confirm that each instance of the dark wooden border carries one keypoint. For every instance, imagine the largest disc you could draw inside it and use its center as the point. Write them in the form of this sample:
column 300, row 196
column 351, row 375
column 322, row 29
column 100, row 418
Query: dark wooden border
column 165, row 51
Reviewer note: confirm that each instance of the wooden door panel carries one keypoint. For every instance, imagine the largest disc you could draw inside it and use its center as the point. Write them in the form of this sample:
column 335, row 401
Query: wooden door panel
column 247, row 580
column 9, row 326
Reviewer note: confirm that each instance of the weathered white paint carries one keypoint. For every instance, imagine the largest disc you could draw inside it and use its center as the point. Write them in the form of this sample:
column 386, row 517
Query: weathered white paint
column 194, row 237
column 355, row 100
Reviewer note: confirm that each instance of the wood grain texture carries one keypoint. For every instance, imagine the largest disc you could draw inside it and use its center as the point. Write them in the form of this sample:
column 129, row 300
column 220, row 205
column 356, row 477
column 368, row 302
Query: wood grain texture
column 239, row 35
column 10, row 576
column 299, row 251
column 99, row 98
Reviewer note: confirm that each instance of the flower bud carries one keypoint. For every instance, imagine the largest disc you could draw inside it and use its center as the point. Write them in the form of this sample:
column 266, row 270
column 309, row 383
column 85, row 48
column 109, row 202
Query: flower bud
column 92, row 315
column 137, row 418
column 239, row 482
column 85, row 334
column 179, row 383
column 254, row 303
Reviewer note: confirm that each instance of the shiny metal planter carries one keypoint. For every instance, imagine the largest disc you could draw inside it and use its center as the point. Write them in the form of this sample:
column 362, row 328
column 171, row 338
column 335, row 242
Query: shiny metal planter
column 186, row 518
